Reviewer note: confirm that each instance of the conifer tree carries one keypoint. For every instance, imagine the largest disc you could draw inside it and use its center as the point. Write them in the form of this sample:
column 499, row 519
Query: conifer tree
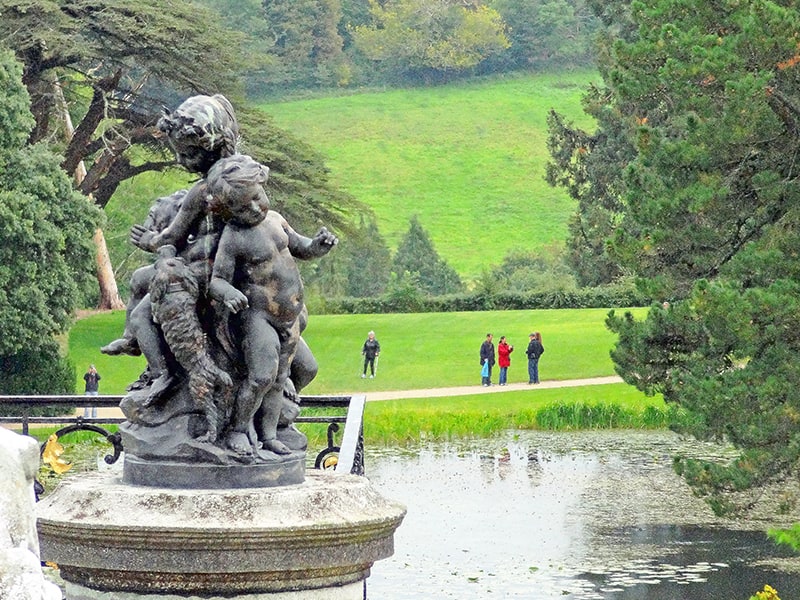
column 417, row 255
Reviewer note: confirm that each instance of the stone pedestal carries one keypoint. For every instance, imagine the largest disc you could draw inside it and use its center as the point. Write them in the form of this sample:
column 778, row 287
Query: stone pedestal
column 309, row 541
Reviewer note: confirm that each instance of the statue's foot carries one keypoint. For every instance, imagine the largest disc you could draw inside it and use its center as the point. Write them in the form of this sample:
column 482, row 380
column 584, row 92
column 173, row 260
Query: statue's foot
column 276, row 446
column 159, row 387
column 239, row 443
column 293, row 438
column 209, row 436
column 123, row 345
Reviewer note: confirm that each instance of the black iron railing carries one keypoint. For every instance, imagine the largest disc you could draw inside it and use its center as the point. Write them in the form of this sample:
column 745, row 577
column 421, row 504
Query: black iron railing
column 345, row 457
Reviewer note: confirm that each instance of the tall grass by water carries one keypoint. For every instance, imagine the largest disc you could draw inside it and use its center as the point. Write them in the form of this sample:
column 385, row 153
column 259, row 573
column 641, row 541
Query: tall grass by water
column 610, row 406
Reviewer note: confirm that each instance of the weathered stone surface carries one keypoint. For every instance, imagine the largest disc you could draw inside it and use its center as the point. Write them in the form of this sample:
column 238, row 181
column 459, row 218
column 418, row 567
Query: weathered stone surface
column 323, row 533
column 20, row 571
column 353, row 591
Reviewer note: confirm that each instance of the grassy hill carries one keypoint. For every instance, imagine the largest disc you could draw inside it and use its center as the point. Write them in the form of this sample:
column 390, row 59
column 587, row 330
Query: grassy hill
column 468, row 158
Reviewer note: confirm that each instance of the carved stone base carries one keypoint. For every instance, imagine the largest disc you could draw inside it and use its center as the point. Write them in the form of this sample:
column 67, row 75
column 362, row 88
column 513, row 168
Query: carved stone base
column 287, row 470
column 282, row 542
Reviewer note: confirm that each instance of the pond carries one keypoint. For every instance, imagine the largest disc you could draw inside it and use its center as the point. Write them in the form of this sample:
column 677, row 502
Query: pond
column 581, row 516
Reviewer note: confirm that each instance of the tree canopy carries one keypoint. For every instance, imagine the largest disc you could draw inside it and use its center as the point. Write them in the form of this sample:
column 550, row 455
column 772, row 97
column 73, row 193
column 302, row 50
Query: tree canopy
column 430, row 35
column 46, row 250
column 698, row 118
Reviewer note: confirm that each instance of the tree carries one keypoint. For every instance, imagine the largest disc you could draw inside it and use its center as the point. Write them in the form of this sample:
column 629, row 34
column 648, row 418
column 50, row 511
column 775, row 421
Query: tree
column 115, row 74
column 368, row 261
column 430, row 37
column 306, row 41
column 45, row 248
column 546, row 32
column 701, row 104
column 417, row 256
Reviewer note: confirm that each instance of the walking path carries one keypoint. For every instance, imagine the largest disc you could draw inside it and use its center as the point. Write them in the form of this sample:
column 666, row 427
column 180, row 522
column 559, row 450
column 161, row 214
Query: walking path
column 479, row 389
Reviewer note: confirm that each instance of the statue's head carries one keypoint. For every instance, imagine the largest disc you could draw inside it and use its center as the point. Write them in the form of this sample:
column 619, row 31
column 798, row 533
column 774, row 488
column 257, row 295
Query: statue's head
column 236, row 189
column 201, row 130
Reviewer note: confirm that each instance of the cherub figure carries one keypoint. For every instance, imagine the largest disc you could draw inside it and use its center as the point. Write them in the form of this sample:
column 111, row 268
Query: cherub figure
column 255, row 276
column 173, row 297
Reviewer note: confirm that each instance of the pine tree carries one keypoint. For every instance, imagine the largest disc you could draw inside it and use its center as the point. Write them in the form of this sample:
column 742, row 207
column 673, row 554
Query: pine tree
column 416, row 255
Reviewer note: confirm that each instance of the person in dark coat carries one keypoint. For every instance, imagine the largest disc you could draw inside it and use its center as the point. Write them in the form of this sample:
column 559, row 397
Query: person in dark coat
column 92, row 379
column 534, row 351
column 487, row 356
column 371, row 350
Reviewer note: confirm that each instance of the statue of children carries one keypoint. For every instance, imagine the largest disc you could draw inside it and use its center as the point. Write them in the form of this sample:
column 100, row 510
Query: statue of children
column 255, row 275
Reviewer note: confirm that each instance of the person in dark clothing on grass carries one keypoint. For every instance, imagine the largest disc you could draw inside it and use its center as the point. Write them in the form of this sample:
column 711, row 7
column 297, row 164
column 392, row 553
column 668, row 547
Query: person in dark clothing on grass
column 534, row 351
column 487, row 357
column 371, row 350
column 92, row 379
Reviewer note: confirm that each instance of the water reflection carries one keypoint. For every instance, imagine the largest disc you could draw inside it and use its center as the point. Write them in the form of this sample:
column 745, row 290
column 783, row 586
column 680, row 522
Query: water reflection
column 597, row 515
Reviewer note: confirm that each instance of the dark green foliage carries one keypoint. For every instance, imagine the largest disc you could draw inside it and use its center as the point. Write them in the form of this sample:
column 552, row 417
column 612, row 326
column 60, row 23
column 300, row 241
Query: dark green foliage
column 523, row 271
column 590, row 167
column 699, row 115
column 368, row 261
column 306, row 43
column 45, row 230
column 46, row 255
column 545, row 33
column 36, row 371
column 417, row 256
column 403, row 296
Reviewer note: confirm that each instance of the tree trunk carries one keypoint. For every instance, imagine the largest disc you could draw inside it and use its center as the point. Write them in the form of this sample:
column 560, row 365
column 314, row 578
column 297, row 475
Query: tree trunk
column 109, row 294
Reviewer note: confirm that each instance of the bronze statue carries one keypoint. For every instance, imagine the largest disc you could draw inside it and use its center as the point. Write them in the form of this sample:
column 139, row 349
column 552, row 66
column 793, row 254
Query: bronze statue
column 219, row 315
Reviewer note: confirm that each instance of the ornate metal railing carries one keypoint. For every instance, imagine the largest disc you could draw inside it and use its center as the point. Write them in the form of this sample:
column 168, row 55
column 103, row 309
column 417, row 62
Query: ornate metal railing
column 345, row 457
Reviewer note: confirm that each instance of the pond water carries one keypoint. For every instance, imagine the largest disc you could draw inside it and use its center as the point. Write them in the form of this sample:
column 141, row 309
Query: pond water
column 540, row 515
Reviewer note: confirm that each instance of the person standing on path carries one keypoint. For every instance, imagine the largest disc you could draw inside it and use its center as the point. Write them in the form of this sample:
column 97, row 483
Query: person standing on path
column 534, row 351
column 371, row 350
column 504, row 359
column 487, row 358
column 92, row 378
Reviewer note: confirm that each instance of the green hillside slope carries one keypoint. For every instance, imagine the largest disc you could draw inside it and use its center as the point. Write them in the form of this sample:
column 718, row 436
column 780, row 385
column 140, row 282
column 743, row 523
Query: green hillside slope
column 468, row 158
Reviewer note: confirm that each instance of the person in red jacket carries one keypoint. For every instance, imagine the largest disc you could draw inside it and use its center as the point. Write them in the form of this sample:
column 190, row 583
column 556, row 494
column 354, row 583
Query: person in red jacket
column 504, row 358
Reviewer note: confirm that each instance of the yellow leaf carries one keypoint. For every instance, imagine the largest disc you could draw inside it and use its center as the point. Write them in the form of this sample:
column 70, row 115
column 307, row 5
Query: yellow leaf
column 52, row 455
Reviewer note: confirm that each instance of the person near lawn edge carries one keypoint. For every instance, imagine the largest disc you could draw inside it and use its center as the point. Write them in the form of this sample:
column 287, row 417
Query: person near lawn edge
column 487, row 356
column 504, row 359
column 534, row 351
column 370, row 350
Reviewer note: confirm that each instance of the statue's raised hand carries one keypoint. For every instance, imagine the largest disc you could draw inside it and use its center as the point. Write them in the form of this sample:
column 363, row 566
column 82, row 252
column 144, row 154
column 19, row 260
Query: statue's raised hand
column 323, row 242
column 141, row 237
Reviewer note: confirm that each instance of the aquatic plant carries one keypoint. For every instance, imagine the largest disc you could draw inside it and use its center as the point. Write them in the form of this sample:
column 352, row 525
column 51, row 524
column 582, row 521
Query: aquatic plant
column 768, row 593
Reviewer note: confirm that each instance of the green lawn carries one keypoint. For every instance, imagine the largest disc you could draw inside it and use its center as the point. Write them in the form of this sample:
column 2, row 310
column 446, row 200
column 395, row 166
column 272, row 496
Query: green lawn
column 417, row 350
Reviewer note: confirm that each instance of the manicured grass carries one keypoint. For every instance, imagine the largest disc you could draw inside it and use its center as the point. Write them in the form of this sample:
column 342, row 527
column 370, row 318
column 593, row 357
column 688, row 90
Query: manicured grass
column 439, row 350
column 417, row 350
column 468, row 159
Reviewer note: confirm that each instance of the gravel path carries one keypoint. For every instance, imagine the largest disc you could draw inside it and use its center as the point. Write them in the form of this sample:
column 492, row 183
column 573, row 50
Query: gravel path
column 479, row 389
